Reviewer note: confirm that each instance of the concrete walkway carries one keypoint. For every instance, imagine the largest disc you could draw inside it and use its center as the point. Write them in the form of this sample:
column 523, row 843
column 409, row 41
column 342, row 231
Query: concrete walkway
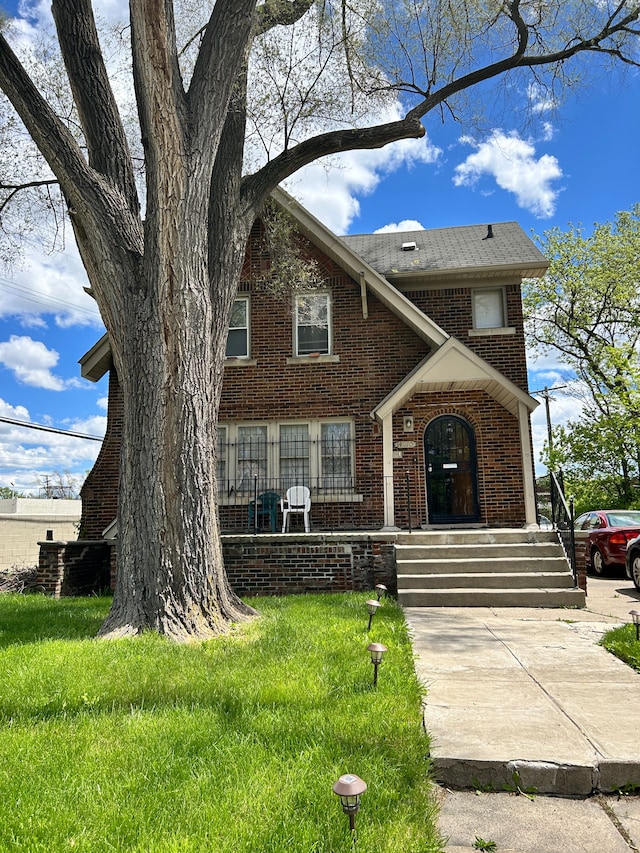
column 523, row 699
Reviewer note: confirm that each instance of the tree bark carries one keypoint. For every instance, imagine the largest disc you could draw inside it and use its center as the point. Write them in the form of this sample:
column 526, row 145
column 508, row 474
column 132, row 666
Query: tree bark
column 171, row 576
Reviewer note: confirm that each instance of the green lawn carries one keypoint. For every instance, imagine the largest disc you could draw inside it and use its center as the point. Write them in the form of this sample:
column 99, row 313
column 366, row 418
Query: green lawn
column 623, row 644
column 232, row 745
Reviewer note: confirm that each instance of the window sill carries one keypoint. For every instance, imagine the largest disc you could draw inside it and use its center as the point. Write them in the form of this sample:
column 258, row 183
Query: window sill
column 238, row 361
column 481, row 333
column 313, row 359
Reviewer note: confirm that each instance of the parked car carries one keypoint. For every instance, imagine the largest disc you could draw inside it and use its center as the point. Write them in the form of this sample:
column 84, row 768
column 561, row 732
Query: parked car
column 632, row 561
column 602, row 537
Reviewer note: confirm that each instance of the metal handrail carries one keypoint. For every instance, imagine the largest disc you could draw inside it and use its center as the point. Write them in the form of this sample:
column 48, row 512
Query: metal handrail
column 563, row 517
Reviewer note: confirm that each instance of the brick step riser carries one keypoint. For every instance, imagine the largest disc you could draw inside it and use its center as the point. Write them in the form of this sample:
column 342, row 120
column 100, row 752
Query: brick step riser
column 533, row 581
column 492, row 598
column 428, row 567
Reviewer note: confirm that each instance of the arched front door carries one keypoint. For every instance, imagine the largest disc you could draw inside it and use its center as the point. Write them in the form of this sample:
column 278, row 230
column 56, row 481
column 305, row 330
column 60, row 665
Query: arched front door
column 451, row 471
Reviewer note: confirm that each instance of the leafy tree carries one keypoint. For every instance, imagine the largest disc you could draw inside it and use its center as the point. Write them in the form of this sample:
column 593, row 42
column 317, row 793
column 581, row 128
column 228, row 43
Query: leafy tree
column 262, row 90
column 585, row 310
column 8, row 492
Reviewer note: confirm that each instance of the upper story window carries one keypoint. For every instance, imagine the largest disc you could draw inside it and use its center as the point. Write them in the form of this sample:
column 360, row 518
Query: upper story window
column 489, row 309
column 313, row 324
column 238, row 338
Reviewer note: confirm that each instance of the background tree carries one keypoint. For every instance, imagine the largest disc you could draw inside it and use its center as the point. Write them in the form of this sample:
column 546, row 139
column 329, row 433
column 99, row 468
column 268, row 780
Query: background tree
column 585, row 311
column 262, row 90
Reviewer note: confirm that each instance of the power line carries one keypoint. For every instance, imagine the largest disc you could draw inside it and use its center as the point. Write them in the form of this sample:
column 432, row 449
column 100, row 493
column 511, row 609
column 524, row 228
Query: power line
column 46, row 300
column 44, row 428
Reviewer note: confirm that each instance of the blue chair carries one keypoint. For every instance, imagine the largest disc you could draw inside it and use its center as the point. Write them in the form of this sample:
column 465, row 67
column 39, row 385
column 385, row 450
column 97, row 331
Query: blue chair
column 266, row 508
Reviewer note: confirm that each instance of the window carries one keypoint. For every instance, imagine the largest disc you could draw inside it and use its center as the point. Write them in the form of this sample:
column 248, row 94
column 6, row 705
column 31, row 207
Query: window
column 489, row 309
column 294, row 455
column 238, row 338
column 222, row 458
column 336, row 455
column 276, row 456
column 313, row 324
column 251, row 458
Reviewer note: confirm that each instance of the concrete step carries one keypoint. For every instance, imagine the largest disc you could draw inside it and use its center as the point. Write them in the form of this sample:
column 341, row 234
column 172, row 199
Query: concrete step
column 486, row 536
column 478, row 563
column 478, row 597
column 484, row 568
column 487, row 580
column 420, row 551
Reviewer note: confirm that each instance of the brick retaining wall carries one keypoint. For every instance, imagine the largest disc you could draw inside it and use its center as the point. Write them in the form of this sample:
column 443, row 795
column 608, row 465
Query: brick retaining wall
column 262, row 565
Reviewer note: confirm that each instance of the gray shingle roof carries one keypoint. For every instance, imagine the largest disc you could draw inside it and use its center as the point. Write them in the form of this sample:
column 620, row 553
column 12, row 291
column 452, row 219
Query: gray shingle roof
column 447, row 250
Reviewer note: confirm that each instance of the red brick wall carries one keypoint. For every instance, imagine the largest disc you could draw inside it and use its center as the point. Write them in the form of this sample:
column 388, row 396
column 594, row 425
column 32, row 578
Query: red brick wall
column 451, row 308
column 375, row 354
column 99, row 492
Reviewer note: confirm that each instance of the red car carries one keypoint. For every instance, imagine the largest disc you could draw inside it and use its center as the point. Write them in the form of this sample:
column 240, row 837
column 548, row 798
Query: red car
column 602, row 536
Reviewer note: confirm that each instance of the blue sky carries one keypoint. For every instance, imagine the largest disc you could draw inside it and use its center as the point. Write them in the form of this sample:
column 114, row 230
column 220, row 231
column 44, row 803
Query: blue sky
column 579, row 165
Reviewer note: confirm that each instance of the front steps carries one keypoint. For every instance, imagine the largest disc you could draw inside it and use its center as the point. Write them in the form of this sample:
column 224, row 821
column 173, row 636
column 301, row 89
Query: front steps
column 484, row 568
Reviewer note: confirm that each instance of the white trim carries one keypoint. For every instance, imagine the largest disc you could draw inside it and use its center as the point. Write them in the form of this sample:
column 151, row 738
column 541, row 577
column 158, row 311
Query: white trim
column 531, row 513
column 388, row 480
column 485, row 333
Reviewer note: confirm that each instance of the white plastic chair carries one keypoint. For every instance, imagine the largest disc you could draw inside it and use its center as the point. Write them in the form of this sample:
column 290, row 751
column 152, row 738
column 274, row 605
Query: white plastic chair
column 298, row 500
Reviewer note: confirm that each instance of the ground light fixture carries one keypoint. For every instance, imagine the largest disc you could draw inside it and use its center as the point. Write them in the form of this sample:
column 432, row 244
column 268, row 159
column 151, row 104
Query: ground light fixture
column 376, row 650
column 372, row 607
column 380, row 589
column 350, row 788
column 635, row 615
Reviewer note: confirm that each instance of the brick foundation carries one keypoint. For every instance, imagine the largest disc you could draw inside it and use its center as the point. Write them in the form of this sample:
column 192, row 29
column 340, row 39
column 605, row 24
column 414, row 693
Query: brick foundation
column 262, row 565
column 74, row 568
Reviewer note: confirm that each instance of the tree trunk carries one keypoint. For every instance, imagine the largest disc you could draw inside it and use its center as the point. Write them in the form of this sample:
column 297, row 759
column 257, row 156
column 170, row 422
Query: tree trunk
column 171, row 350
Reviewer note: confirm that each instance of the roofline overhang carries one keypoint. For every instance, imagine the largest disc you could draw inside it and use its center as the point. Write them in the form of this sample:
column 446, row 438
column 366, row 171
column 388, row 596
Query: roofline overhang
column 521, row 270
column 97, row 361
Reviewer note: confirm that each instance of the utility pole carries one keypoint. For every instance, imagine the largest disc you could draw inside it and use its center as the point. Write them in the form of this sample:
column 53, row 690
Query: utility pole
column 545, row 393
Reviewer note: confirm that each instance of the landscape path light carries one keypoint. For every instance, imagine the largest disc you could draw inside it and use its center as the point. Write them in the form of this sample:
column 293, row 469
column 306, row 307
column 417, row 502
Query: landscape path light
column 635, row 615
column 350, row 788
column 372, row 606
column 381, row 589
column 376, row 650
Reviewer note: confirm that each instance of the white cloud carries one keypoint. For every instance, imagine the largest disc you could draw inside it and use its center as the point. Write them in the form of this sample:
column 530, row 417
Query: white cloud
column 28, row 455
column 405, row 225
column 31, row 362
column 329, row 187
column 49, row 284
column 512, row 162
column 95, row 425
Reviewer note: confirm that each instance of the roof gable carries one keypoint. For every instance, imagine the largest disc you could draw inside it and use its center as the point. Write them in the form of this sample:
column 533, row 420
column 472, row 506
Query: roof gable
column 455, row 367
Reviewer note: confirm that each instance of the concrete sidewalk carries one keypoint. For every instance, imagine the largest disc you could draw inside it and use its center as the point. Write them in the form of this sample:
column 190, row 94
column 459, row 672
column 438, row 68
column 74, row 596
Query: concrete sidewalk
column 523, row 699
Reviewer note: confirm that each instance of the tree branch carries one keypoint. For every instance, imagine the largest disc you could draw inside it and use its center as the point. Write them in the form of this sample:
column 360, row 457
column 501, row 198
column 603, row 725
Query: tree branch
column 260, row 184
column 221, row 58
column 274, row 13
column 99, row 116
column 16, row 188
column 519, row 58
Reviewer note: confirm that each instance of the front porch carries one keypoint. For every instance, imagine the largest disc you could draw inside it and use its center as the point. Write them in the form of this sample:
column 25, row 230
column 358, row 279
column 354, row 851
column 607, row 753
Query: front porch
column 306, row 563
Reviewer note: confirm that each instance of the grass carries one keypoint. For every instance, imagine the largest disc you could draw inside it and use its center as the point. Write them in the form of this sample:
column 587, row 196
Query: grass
column 231, row 745
column 622, row 643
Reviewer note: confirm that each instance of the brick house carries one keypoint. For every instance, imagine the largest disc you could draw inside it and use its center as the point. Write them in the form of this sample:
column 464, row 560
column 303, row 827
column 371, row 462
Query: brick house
column 397, row 391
